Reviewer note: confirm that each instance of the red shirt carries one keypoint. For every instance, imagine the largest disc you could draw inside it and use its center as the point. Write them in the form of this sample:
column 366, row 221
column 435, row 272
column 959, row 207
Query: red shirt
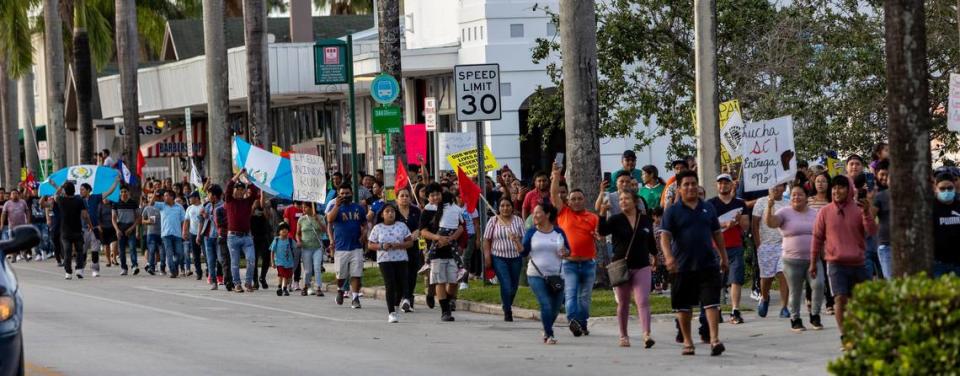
column 239, row 211
column 292, row 214
column 532, row 199
column 579, row 228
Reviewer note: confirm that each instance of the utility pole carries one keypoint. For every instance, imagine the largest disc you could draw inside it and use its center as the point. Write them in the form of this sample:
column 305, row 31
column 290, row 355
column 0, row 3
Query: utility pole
column 707, row 101
column 908, row 123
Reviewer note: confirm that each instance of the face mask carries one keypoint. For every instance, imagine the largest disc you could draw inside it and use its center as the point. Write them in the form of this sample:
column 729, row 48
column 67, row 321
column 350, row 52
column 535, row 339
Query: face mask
column 946, row 196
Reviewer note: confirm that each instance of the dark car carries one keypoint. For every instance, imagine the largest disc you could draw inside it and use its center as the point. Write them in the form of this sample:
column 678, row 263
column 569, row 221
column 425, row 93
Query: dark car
column 11, row 302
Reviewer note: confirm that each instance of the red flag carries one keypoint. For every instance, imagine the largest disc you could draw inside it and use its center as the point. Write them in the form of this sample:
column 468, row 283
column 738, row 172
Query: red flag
column 141, row 161
column 469, row 191
column 402, row 180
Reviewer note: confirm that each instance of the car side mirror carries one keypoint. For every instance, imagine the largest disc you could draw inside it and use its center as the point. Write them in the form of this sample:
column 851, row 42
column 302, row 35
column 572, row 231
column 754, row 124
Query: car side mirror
column 21, row 238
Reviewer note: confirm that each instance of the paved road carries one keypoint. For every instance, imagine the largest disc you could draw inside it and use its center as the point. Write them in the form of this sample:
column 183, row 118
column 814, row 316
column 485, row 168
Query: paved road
column 116, row 325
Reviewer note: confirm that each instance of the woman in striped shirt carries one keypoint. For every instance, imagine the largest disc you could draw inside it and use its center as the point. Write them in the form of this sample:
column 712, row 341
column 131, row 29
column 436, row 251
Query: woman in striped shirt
column 501, row 250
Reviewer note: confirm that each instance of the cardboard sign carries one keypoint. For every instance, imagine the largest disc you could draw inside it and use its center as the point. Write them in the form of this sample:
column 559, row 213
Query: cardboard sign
column 467, row 160
column 309, row 178
column 769, row 156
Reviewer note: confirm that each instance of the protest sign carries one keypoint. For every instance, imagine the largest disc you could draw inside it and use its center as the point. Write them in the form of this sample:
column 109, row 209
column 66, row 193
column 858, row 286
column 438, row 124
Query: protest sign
column 731, row 131
column 769, row 156
column 415, row 137
column 454, row 142
column 467, row 160
column 309, row 178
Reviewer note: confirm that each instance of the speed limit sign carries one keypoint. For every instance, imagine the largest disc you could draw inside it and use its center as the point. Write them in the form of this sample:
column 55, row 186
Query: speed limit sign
column 478, row 92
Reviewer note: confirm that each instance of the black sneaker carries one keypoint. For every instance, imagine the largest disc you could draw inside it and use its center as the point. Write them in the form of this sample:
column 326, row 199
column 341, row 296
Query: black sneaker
column 815, row 322
column 575, row 328
column 339, row 297
column 453, row 305
column 263, row 283
column 431, row 302
column 286, row 292
column 355, row 304
column 797, row 325
column 736, row 318
column 508, row 316
column 151, row 271
column 447, row 316
column 279, row 292
column 716, row 350
column 136, row 271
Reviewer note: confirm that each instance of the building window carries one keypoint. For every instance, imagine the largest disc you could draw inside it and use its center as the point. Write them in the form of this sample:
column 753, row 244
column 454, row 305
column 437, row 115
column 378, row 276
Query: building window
column 516, row 30
column 551, row 29
column 505, row 89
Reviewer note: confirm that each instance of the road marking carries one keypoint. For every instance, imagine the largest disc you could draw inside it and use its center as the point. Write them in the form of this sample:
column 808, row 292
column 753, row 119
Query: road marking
column 121, row 302
column 304, row 314
column 33, row 369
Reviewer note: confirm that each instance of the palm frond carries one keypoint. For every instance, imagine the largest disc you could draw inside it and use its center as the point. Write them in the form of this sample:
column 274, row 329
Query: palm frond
column 94, row 15
column 16, row 46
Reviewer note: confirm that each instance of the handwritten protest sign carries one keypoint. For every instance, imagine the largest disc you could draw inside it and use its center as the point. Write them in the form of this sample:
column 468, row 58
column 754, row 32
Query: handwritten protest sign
column 309, row 178
column 453, row 142
column 769, row 156
column 467, row 160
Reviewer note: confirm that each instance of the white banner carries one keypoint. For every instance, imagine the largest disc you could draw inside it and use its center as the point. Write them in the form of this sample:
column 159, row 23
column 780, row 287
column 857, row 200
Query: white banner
column 454, row 142
column 731, row 135
column 953, row 104
column 309, row 178
column 769, row 156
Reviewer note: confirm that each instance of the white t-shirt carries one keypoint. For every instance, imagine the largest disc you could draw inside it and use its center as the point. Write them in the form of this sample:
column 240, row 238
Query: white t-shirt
column 193, row 214
column 395, row 233
column 452, row 215
column 769, row 236
column 545, row 251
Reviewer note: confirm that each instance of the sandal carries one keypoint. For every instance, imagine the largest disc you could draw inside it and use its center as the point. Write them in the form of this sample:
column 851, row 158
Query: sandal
column 688, row 350
column 648, row 342
column 624, row 342
column 717, row 349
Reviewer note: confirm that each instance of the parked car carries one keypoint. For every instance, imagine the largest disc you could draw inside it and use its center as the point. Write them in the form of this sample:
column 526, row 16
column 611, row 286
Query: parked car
column 11, row 301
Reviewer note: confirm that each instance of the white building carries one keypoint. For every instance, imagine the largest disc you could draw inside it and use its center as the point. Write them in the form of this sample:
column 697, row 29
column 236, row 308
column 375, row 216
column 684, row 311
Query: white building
column 307, row 118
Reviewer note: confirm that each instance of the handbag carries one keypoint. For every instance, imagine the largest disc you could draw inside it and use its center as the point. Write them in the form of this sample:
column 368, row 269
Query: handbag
column 554, row 282
column 617, row 271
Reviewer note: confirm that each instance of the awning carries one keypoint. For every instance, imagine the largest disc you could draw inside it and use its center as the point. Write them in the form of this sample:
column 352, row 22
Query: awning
column 174, row 144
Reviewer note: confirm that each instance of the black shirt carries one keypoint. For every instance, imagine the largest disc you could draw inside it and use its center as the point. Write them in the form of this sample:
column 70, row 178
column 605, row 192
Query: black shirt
column 644, row 243
column 882, row 202
column 71, row 209
column 946, row 232
column 427, row 223
column 692, row 232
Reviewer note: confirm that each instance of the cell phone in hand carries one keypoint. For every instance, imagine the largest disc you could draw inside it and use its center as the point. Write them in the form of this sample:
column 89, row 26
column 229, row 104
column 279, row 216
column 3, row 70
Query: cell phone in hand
column 559, row 159
column 607, row 176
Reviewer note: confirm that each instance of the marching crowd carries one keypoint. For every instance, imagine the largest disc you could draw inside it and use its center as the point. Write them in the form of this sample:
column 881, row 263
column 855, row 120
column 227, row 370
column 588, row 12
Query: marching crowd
column 817, row 236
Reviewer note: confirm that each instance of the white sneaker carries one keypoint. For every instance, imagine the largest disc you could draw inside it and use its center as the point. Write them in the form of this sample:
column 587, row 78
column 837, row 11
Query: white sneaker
column 405, row 306
column 310, row 291
column 68, row 276
column 393, row 317
column 464, row 286
column 96, row 274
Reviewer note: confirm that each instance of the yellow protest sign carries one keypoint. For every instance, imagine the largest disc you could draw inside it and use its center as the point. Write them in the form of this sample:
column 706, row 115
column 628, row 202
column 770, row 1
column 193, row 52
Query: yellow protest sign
column 467, row 160
column 730, row 131
column 834, row 167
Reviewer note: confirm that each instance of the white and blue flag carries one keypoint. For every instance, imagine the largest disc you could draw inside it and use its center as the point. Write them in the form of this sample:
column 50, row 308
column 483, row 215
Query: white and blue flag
column 100, row 178
column 268, row 171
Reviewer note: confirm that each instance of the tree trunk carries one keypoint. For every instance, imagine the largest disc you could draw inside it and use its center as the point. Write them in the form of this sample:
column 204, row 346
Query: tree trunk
column 83, row 82
column 578, row 44
column 127, row 53
column 218, row 128
column 27, row 109
column 258, row 79
column 8, row 112
column 388, row 14
column 55, row 76
column 908, row 121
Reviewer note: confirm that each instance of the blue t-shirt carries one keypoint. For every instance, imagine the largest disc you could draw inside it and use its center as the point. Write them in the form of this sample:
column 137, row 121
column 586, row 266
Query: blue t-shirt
column 282, row 252
column 331, row 195
column 347, row 225
column 93, row 208
column 692, row 232
column 171, row 219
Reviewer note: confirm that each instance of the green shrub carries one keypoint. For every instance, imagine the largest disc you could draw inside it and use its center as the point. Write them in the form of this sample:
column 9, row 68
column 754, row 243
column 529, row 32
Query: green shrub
column 910, row 326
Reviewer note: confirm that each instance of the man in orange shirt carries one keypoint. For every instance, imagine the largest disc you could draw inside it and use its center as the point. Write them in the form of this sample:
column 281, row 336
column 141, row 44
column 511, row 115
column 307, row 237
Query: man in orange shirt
column 579, row 269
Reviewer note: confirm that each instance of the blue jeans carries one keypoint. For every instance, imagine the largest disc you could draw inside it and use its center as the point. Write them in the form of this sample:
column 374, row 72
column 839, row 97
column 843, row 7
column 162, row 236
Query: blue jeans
column 549, row 302
column 127, row 242
column 241, row 245
column 508, row 276
column 871, row 256
column 943, row 268
column 45, row 245
column 210, row 251
column 578, row 279
column 154, row 244
column 174, row 246
column 312, row 264
column 186, row 260
column 885, row 254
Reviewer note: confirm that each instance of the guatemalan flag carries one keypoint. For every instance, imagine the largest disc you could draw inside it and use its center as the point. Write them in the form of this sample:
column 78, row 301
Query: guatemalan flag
column 128, row 177
column 269, row 172
column 100, row 178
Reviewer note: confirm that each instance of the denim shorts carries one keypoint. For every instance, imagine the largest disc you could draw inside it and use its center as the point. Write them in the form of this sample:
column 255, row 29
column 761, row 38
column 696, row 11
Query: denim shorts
column 736, row 274
column 843, row 278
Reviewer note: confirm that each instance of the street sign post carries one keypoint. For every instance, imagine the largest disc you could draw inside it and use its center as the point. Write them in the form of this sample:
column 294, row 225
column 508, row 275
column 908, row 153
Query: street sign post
column 387, row 119
column 478, row 99
column 384, row 89
column 333, row 64
column 430, row 113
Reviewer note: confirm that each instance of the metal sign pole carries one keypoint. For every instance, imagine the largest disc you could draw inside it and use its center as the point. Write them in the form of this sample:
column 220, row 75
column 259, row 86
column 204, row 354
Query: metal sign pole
column 354, row 179
column 481, row 177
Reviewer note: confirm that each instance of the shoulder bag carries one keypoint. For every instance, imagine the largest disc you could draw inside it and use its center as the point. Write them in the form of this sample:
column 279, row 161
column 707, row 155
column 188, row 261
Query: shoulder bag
column 617, row 271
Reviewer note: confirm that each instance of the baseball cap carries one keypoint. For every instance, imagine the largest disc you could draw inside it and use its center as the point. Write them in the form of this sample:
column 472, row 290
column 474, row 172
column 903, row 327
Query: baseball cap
column 629, row 154
column 194, row 194
column 724, row 177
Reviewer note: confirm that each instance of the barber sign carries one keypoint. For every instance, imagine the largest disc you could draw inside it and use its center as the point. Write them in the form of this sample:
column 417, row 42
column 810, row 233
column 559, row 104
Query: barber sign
column 478, row 92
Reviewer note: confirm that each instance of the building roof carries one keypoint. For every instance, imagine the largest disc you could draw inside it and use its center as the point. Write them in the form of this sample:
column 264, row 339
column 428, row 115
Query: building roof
column 185, row 37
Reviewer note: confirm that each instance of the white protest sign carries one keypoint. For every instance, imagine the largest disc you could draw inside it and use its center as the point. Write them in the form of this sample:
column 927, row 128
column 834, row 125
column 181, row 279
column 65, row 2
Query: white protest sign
column 478, row 92
column 731, row 134
column 769, row 156
column 309, row 178
column 953, row 104
column 452, row 143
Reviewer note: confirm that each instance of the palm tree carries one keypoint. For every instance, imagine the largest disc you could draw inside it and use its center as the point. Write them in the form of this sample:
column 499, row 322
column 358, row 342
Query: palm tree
column 127, row 53
column 214, row 44
column 346, row 6
column 16, row 58
column 258, row 82
column 55, row 76
column 389, row 38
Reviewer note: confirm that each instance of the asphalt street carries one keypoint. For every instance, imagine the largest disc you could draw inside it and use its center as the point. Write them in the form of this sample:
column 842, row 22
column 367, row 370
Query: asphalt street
column 148, row 325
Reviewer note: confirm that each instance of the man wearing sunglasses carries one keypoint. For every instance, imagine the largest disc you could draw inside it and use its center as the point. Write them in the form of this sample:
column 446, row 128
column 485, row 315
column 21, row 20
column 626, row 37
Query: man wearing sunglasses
column 946, row 221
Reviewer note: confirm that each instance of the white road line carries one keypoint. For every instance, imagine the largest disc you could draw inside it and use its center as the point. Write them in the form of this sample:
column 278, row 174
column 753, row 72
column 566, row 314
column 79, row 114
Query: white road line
column 304, row 314
column 121, row 302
